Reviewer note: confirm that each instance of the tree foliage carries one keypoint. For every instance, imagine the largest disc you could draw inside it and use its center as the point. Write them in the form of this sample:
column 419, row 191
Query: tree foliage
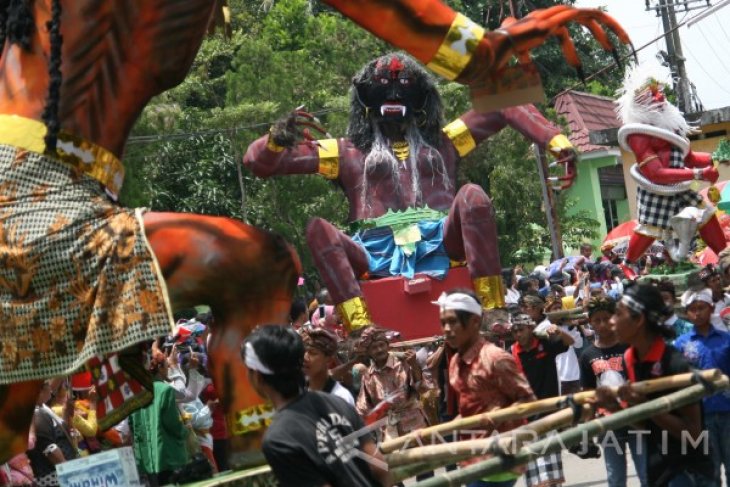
column 186, row 149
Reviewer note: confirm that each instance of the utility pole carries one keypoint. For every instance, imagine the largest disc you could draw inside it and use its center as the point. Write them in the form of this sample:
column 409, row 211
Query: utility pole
column 548, row 200
column 675, row 57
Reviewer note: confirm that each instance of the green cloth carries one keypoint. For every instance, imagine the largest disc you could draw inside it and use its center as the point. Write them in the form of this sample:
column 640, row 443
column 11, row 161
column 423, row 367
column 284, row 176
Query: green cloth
column 159, row 435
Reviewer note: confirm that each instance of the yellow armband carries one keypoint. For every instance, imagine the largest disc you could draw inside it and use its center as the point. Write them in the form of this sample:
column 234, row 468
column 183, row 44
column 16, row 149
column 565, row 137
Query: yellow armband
column 329, row 158
column 457, row 48
column 460, row 136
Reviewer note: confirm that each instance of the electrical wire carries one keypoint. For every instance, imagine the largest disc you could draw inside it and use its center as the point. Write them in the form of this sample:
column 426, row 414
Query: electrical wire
column 145, row 139
column 722, row 28
column 709, row 76
column 717, row 56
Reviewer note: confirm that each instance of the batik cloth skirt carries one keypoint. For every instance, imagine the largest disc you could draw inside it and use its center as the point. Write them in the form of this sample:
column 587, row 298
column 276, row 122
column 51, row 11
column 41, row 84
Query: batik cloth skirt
column 77, row 277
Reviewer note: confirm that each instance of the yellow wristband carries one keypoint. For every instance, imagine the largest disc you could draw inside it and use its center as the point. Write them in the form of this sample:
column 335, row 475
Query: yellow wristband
column 558, row 143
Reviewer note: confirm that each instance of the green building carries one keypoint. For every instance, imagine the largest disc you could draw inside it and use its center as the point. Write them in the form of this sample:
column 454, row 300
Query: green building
column 599, row 189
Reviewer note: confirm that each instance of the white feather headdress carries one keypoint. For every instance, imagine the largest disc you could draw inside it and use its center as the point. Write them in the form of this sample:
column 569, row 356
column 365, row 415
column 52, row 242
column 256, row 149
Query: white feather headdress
column 634, row 103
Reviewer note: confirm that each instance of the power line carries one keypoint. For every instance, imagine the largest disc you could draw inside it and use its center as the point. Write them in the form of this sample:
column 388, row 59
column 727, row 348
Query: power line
column 146, row 139
column 709, row 76
column 717, row 56
column 722, row 28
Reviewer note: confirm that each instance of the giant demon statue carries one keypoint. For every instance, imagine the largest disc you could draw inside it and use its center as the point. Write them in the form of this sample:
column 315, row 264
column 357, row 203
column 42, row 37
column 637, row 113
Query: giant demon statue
column 81, row 277
column 400, row 158
column 656, row 132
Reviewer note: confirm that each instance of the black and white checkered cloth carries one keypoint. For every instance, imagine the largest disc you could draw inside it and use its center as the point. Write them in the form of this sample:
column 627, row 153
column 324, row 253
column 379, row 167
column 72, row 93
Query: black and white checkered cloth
column 655, row 209
column 545, row 471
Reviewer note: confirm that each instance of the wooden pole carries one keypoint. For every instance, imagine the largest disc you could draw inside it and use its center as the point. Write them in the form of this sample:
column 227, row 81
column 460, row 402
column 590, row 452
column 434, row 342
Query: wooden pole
column 520, row 411
column 575, row 435
column 548, row 199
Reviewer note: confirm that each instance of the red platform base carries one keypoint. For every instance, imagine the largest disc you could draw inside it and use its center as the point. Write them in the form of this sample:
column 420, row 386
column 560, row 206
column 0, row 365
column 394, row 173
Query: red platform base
column 405, row 304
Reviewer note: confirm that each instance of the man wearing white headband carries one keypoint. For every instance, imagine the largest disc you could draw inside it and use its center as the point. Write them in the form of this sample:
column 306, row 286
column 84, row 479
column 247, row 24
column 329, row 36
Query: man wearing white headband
column 303, row 445
column 484, row 376
column 709, row 348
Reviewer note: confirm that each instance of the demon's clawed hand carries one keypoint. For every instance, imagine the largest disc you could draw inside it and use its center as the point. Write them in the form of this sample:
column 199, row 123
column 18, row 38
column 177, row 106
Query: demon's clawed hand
column 518, row 37
column 295, row 127
column 566, row 158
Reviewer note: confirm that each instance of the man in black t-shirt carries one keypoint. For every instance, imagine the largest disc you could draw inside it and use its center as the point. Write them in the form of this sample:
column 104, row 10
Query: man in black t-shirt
column 602, row 364
column 536, row 355
column 313, row 439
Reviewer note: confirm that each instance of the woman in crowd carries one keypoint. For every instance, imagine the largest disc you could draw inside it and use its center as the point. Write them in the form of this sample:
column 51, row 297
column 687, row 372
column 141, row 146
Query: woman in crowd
column 53, row 443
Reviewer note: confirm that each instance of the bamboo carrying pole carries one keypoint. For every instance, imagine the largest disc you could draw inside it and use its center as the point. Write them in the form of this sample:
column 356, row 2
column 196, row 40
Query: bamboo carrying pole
column 520, row 411
column 574, row 435
column 509, row 441
column 415, row 461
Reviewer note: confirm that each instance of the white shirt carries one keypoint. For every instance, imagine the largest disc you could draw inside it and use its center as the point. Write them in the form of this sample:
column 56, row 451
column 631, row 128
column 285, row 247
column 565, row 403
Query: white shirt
column 512, row 296
column 567, row 362
column 340, row 391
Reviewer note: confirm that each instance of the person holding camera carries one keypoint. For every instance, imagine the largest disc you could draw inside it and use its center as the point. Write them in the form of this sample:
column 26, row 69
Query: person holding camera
column 159, row 436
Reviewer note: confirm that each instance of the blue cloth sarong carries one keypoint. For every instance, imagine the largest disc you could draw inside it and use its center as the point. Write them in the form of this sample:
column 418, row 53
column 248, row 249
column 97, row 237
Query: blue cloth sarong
column 386, row 258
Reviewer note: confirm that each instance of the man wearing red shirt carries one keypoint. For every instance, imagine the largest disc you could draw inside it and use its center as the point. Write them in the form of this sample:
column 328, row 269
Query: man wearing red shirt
column 485, row 377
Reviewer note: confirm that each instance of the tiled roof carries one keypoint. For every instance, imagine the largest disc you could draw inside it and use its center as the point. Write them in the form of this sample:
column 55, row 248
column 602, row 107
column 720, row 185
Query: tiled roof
column 584, row 113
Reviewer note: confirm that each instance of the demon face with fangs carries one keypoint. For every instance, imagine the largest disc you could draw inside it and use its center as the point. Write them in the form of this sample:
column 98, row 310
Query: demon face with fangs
column 394, row 93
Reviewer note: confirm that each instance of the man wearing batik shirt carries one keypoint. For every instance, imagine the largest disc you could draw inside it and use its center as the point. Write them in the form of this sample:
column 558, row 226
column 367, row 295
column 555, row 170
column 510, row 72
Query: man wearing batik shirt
column 391, row 386
column 485, row 377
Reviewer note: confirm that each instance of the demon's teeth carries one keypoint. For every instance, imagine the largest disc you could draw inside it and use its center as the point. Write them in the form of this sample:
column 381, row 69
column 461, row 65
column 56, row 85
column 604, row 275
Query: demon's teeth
column 390, row 108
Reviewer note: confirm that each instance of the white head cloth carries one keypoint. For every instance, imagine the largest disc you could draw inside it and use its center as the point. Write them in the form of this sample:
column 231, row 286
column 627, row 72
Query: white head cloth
column 704, row 295
column 458, row 302
column 253, row 361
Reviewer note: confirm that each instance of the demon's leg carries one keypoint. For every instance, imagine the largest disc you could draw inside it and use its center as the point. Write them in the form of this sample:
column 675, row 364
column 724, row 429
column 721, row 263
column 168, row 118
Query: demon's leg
column 470, row 233
column 711, row 232
column 17, row 403
column 247, row 277
column 638, row 244
column 340, row 262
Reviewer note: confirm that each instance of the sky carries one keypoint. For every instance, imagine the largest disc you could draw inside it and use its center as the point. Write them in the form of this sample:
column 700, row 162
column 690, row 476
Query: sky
column 706, row 44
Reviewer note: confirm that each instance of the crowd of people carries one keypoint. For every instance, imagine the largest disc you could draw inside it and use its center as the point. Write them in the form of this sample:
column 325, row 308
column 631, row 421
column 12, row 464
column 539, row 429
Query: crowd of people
column 577, row 324
column 182, row 435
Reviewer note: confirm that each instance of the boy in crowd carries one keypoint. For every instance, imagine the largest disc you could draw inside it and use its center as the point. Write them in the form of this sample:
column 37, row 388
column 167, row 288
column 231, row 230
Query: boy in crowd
column 536, row 358
column 320, row 349
column 391, row 383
